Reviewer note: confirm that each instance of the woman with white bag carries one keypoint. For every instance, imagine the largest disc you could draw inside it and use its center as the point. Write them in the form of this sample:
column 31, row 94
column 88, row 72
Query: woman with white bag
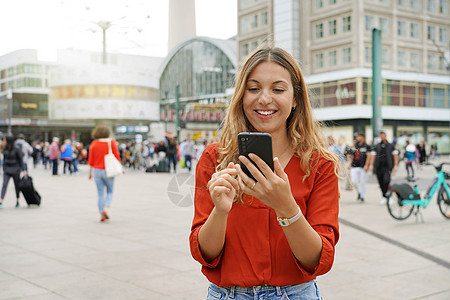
column 104, row 162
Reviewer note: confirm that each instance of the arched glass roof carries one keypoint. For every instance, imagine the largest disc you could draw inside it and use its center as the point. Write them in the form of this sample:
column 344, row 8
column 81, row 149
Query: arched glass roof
column 200, row 66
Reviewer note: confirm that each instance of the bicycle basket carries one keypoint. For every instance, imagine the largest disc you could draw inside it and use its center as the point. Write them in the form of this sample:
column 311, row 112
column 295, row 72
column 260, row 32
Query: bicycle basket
column 405, row 191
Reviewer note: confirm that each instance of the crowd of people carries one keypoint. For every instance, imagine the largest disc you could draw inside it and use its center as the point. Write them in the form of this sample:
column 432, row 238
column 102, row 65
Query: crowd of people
column 384, row 157
column 165, row 156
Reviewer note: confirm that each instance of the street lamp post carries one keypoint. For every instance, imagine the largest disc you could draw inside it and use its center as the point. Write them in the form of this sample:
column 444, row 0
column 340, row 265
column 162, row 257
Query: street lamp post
column 9, row 97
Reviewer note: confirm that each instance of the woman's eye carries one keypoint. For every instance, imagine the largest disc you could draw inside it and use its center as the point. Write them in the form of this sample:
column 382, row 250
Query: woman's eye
column 278, row 90
column 252, row 89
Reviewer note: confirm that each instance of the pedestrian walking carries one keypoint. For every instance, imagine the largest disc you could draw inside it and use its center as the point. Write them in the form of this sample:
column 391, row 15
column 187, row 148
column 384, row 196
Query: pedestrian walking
column 272, row 237
column 410, row 157
column 172, row 153
column 26, row 149
column 423, row 156
column 359, row 165
column 96, row 160
column 385, row 157
column 67, row 155
column 46, row 154
column 54, row 155
column 12, row 166
column 189, row 152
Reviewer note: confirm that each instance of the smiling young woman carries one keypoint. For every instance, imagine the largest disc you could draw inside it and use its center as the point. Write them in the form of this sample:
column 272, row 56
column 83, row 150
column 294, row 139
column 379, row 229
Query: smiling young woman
column 277, row 234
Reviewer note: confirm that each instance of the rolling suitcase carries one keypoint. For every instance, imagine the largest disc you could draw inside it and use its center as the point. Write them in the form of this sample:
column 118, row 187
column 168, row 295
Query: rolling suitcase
column 28, row 191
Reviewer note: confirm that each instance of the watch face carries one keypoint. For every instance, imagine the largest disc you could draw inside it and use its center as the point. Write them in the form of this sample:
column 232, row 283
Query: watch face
column 284, row 222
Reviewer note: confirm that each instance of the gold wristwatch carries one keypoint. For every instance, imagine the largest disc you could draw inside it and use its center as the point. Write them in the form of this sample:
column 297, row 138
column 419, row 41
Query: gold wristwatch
column 286, row 222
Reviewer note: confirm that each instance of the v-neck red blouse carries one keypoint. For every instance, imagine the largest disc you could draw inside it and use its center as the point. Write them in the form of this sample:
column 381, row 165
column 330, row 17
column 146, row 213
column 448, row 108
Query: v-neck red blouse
column 256, row 251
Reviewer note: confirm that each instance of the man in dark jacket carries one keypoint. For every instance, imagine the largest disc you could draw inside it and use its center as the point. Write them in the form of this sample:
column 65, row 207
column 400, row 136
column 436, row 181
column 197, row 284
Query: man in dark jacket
column 386, row 161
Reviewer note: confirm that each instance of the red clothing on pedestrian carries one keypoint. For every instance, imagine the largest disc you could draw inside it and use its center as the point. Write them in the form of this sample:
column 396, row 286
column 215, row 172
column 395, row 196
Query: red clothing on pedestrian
column 97, row 151
column 256, row 251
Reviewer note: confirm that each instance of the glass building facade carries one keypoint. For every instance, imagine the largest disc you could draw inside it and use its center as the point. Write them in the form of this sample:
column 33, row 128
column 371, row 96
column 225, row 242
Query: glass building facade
column 201, row 67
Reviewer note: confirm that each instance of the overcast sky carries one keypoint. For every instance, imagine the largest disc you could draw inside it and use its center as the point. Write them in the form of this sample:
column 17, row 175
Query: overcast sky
column 141, row 26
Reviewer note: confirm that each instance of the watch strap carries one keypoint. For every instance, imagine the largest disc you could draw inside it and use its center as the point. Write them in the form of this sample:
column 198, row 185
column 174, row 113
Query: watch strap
column 286, row 222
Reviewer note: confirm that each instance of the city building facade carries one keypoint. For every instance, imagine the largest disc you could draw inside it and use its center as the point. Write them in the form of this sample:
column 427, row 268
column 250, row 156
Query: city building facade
column 332, row 41
column 203, row 70
column 122, row 93
column 24, row 84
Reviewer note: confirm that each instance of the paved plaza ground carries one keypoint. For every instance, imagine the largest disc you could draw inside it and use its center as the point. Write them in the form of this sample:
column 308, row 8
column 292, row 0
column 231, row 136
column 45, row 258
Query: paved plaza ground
column 61, row 251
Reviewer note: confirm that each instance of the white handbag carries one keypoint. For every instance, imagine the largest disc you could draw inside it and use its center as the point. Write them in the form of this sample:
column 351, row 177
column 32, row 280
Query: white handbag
column 113, row 167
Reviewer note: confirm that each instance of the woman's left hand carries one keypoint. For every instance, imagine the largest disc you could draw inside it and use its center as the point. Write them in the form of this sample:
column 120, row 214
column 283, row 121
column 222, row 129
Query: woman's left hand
column 272, row 189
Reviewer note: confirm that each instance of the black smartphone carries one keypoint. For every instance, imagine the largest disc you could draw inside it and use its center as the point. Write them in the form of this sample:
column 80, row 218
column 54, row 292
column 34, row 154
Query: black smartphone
column 256, row 143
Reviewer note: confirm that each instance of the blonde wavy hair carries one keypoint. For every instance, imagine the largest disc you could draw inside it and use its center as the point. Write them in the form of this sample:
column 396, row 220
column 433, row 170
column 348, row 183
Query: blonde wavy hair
column 303, row 131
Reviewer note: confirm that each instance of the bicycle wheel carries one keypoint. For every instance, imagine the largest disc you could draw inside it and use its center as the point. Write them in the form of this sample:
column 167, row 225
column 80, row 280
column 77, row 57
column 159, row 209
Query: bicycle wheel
column 398, row 210
column 444, row 202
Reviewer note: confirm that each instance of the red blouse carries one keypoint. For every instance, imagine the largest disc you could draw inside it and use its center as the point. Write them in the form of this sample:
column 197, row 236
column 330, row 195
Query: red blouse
column 97, row 151
column 256, row 251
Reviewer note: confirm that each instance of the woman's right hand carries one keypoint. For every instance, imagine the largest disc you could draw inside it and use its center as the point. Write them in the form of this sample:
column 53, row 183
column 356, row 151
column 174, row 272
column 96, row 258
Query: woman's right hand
column 222, row 187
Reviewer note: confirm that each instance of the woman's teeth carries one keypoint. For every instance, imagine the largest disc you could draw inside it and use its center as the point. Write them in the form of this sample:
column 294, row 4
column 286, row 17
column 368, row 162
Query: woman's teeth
column 265, row 112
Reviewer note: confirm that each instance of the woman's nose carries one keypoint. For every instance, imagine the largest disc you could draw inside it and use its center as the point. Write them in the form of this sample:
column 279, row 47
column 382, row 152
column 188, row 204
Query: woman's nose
column 265, row 98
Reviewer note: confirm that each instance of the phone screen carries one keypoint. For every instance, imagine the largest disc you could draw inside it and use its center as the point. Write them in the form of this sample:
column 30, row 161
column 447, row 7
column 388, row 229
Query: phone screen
column 256, row 143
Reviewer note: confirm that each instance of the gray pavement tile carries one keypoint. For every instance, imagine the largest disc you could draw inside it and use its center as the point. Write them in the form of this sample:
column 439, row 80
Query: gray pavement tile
column 176, row 284
column 20, row 289
column 25, row 268
column 442, row 295
column 134, row 271
column 4, row 276
column 46, row 296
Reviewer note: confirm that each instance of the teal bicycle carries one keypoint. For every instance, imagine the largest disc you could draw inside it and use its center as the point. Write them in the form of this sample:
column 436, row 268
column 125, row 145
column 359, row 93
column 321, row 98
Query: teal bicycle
column 403, row 198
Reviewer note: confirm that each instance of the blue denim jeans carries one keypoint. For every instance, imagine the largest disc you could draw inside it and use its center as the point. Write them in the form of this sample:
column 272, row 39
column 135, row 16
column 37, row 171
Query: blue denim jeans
column 304, row 291
column 103, row 182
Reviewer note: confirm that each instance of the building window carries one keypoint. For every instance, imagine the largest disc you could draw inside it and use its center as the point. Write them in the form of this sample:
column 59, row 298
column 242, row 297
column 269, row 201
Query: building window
column 414, row 60
column 431, row 5
column 385, row 56
column 346, row 55
column 431, row 62
column 438, row 97
column 443, row 6
column 442, row 65
column 401, row 2
column 367, row 54
column 319, row 31
column 244, row 49
column 401, row 28
column 319, row 60
column 431, row 33
column 443, row 34
column 415, row 3
column 264, row 18
column 384, row 25
column 401, row 58
column 368, row 22
column 346, row 24
column 255, row 22
column 332, row 58
column 318, row 4
column 414, row 30
column 331, row 2
column 332, row 27
column 245, row 24
column 254, row 45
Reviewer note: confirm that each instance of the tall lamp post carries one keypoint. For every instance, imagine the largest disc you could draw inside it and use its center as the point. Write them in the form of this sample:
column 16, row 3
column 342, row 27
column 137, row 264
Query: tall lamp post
column 9, row 97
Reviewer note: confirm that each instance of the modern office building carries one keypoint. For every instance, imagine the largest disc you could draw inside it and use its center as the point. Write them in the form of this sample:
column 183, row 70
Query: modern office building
column 67, row 98
column 122, row 93
column 203, row 69
column 332, row 40
column 24, row 84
